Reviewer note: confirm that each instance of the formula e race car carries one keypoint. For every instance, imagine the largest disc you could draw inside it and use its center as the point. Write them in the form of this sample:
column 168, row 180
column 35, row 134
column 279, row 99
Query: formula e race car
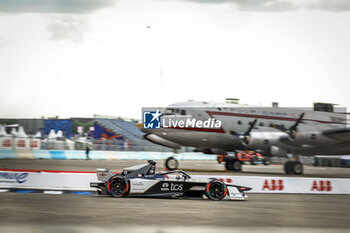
column 142, row 180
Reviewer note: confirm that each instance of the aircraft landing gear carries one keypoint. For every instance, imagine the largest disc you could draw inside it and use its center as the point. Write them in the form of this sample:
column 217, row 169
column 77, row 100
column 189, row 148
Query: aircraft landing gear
column 293, row 168
column 171, row 163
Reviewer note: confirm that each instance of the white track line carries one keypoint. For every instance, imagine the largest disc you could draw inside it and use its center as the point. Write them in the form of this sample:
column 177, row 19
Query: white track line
column 52, row 192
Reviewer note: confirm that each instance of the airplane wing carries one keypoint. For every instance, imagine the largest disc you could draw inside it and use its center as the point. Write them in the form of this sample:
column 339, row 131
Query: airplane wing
column 342, row 134
column 341, row 148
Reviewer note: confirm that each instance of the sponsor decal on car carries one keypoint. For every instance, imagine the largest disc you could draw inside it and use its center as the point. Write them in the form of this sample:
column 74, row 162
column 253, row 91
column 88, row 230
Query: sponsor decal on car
column 176, row 187
column 171, row 187
column 165, row 187
column 137, row 184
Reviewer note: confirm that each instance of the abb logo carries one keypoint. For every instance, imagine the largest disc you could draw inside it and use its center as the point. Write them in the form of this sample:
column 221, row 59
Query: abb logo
column 227, row 180
column 21, row 143
column 273, row 185
column 321, row 185
column 34, row 144
column 6, row 143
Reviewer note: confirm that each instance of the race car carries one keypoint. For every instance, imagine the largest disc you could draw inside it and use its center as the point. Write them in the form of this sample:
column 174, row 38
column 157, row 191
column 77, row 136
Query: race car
column 143, row 180
column 252, row 157
column 235, row 160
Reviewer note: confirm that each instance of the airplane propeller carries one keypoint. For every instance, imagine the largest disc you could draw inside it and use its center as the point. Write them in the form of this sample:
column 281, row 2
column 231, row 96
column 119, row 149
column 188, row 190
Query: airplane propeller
column 246, row 134
column 293, row 129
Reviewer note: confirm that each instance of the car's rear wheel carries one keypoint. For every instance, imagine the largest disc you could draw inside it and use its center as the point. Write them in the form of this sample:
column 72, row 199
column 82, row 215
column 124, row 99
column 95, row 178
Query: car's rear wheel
column 118, row 186
column 215, row 190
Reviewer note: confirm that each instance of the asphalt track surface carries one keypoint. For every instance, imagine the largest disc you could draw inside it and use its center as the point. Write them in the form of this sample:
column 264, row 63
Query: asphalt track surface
column 38, row 212
column 192, row 167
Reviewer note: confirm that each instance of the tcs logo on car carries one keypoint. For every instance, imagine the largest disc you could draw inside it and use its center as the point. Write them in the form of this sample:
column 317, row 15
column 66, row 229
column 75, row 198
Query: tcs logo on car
column 171, row 187
column 321, row 185
column 273, row 185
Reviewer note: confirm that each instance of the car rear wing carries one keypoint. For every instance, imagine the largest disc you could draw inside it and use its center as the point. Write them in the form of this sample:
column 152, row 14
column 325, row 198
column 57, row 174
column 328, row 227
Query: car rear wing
column 103, row 174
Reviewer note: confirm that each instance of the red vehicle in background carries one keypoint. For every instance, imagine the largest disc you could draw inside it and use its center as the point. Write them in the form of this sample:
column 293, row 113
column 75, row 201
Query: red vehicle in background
column 242, row 157
column 252, row 157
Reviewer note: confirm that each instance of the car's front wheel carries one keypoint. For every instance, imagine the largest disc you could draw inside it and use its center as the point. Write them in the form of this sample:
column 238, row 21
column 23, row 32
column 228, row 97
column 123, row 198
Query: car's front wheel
column 215, row 190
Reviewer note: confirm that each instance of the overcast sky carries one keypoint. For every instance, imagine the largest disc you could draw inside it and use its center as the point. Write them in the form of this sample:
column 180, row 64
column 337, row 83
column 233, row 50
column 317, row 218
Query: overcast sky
column 84, row 57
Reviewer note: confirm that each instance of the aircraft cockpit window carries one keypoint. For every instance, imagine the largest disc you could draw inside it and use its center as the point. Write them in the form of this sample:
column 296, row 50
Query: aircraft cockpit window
column 239, row 122
column 183, row 112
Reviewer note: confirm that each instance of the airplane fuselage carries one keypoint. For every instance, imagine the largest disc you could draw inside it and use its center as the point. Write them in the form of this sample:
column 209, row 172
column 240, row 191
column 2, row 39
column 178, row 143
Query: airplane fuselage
column 270, row 135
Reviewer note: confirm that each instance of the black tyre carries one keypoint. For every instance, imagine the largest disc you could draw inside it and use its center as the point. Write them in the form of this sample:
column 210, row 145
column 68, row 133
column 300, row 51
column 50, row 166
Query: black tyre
column 228, row 165
column 236, row 165
column 171, row 163
column 287, row 167
column 215, row 190
column 233, row 165
column 253, row 161
column 297, row 168
column 118, row 186
column 293, row 168
column 266, row 161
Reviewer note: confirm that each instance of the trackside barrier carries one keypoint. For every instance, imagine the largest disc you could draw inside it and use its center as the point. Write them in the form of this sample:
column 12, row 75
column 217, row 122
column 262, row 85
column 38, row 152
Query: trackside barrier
column 81, row 181
column 46, row 180
column 289, row 184
column 118, row 155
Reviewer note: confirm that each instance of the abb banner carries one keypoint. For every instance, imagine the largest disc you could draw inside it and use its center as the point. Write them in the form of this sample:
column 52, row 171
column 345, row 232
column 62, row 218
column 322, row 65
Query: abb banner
column 290, row 184
column 81, row 181
column 20, row 143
